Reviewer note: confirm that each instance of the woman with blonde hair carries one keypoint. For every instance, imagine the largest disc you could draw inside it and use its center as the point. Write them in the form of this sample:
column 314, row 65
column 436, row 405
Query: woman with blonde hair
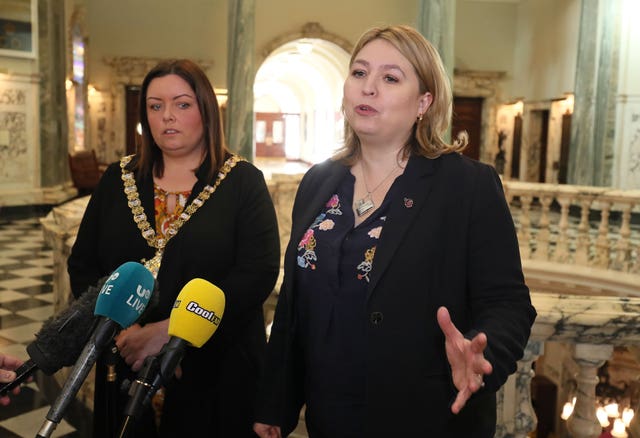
column 403, row 307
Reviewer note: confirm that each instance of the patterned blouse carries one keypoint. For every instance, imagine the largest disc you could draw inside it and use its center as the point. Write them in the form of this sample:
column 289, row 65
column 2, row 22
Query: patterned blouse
column 333, row 266
column 164, row 218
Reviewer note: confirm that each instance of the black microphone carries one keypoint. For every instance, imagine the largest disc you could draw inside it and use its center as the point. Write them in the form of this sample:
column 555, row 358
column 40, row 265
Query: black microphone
column 60, row 339
column 121, row 301
column 194, row 318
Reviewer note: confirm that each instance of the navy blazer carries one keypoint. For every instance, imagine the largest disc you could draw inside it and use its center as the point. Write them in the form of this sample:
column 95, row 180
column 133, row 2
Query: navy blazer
column 449, row 240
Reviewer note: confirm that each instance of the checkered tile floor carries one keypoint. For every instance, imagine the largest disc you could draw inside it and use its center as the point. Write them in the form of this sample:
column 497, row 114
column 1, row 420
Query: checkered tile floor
column 26, row 297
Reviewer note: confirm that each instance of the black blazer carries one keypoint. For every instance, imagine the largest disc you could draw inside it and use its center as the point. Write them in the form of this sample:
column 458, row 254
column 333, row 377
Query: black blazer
column 231, row 241
column 449, row 240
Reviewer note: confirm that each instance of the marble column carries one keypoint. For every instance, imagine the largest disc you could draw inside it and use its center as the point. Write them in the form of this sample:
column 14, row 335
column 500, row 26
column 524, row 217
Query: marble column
column 436, row 21
column 240, row 77
column 583, row 422
column 593, row 123
column 53, row 102
column 516, row 417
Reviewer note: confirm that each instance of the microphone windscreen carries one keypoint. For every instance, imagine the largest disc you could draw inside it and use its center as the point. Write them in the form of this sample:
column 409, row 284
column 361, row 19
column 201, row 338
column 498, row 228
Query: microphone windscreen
column 125, row 294
column 197, row 312
column 62, row 337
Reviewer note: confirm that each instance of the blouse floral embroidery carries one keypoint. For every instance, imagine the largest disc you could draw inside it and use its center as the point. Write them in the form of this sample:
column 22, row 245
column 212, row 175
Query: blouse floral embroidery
column 307, row 255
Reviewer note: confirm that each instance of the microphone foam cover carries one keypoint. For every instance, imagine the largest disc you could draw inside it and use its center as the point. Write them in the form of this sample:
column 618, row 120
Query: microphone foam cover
column 125, row 294
column 197, row 312
column 63, row 336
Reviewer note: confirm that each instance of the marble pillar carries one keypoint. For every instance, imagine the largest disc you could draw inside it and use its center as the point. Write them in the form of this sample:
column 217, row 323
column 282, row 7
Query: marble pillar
column 627, row 132
column 516, row 417
column 240, row 77
column 593, row 124
column 436, row 21
column 53, row 101
column 583, row 422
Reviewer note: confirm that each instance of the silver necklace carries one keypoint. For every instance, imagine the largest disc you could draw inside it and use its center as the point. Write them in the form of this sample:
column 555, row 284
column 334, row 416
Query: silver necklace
column 365, row 204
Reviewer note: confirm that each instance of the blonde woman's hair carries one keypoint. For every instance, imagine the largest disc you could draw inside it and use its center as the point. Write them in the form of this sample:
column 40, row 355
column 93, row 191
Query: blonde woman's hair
column 427, row 135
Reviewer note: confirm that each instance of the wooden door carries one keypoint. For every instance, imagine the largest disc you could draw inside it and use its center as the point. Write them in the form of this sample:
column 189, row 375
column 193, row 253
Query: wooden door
column 270, row 135
column 565, row 142
column 132, row 102
column 467, row 116
column 544, row 134
column 515, row 151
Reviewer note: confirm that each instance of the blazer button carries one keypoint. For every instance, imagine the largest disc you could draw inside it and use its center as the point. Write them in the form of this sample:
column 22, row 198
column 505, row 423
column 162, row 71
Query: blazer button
column 376, row 318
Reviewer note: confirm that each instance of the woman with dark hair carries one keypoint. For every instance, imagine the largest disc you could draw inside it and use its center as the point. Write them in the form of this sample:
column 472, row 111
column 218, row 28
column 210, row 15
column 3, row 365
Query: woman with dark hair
column 403, row 307
column 188, row 208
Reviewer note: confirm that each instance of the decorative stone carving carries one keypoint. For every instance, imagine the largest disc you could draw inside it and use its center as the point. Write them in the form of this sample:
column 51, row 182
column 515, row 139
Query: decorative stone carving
column 308, row 30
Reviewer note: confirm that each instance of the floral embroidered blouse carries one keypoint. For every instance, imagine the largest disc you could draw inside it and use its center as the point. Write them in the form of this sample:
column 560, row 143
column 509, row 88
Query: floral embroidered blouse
column 164, row 218
column 334, row 262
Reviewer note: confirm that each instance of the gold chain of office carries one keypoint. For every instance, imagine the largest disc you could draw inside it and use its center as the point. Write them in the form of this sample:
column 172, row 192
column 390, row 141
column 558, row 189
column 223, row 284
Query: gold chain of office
column 140, row 218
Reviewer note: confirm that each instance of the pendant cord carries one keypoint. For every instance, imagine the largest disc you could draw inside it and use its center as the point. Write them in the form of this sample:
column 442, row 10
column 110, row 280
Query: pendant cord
column 364, row 180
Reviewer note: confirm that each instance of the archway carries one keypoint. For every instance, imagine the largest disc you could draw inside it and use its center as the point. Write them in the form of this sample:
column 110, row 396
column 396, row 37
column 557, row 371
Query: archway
column 297, row 101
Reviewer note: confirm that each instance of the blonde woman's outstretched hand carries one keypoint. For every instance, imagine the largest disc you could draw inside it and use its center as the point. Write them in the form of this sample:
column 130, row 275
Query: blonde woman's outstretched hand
column 267, row 430
column 466, row 359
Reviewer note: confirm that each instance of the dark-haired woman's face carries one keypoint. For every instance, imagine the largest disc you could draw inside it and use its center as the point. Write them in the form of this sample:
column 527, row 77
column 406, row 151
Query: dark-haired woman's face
column 174, row 116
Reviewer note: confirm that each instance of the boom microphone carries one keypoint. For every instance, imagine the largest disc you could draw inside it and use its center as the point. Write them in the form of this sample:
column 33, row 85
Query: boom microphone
column 121, row 301
column 60, row 339
column 195, row 316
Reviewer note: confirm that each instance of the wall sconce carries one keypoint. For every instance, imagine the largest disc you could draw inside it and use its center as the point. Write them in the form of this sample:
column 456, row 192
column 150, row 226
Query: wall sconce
column 222, row 94
column 93, row 91
column 568, row 103
column 518, row 107
column 68, row 84
column 567, row 409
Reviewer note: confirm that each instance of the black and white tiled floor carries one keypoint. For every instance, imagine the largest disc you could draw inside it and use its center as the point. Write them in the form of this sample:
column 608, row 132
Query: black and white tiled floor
column 26, row 297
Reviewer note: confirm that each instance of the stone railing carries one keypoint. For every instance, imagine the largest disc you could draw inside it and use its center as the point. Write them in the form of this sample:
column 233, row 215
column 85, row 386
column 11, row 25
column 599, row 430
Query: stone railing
column 579, row 248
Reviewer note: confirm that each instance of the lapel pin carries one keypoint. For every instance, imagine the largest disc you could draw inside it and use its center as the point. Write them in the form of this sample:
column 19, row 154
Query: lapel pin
column 408, row 202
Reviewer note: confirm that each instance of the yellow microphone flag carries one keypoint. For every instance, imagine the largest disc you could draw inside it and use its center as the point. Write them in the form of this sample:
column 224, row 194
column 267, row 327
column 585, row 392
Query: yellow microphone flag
column 197, row 312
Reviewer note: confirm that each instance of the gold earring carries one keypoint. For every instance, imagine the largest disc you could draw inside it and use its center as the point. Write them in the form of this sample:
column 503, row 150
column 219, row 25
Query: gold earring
column 420, row 117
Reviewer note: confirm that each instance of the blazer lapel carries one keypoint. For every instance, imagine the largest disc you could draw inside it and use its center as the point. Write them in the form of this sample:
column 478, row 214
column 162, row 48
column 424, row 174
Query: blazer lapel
column 412, row 195
column 316, row 195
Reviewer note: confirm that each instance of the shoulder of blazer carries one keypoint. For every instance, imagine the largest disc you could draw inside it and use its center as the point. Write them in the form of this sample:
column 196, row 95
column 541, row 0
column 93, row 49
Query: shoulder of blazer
column 318, row 175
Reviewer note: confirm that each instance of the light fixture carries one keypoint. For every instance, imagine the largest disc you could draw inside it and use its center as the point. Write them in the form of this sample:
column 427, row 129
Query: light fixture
column 304, row 47
column 612, row 410
column 222, row 94
column 627, row 416
column 603, row 418
column 568, row 103
column 567, row 409
column 619, row 430
column 518, row 107
column 68, row 84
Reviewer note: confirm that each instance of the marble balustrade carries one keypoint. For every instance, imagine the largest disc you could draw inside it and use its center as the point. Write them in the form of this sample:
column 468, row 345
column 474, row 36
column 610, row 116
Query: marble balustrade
column 580, row 257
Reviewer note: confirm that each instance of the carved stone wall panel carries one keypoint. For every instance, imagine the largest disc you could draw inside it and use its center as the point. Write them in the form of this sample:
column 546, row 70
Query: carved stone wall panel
column 19, row 144
column 627, row 174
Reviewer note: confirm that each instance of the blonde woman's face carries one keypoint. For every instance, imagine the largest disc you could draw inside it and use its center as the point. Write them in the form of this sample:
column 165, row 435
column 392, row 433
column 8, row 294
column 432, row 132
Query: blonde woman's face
column 381, row 95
